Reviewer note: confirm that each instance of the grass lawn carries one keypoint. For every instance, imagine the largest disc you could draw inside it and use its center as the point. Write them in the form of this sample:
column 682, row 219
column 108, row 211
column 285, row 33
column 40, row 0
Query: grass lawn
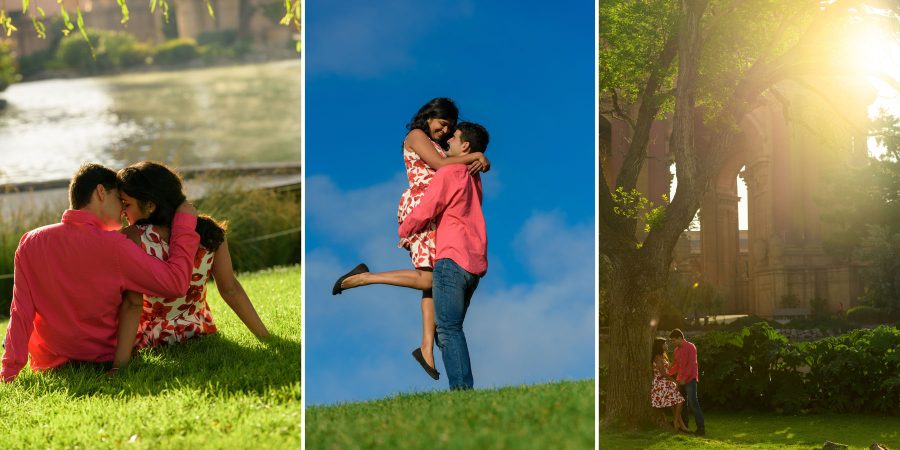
column 766, row 431
column 227, row 390
column 557, row 416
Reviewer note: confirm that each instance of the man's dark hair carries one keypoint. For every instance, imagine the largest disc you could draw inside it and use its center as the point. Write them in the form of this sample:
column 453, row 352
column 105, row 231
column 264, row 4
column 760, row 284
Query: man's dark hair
column 475, row 134
column 84, row 182
column 676, row 333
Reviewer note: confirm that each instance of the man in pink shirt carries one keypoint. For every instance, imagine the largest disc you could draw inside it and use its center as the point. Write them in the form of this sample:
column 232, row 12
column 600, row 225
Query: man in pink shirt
column 69, row 277
column 687, row 375
column 453, row 201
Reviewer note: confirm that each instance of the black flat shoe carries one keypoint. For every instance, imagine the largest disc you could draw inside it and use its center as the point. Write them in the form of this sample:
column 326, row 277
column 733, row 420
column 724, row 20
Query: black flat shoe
column 361, row 268
column 417, row 353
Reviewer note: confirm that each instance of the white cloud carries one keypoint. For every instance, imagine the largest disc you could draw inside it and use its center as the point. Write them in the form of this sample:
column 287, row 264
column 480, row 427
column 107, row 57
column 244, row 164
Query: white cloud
column 517, row 333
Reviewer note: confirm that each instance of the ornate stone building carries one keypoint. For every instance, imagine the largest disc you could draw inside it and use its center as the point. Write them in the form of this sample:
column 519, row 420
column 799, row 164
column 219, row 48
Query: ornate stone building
column 784, row 156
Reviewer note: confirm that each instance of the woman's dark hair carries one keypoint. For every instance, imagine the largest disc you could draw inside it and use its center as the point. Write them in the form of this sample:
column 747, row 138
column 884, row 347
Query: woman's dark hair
column 659, row 345
column 149, row 181
column 436, row 108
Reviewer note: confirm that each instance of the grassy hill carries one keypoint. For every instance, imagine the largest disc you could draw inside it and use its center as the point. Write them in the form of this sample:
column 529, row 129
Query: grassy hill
column 557, row 415
column 227, row 390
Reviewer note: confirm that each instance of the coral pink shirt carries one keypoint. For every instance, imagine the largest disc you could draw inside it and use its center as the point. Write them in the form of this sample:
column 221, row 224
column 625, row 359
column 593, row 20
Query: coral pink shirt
column 685, row 364
column 68, row 285
column 453, row 201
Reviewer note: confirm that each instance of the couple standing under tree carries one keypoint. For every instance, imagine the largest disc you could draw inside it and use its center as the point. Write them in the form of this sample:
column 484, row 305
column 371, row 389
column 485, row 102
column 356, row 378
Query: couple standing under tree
column 666, row 393
column 442, row 225
column 87, row 290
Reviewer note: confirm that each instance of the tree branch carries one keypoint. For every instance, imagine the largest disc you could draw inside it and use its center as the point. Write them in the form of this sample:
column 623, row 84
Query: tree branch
column 650, row 104
column 691, row 180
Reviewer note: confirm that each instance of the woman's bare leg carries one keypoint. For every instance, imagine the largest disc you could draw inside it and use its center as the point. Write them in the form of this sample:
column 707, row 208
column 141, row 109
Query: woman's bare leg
column 419, row 279
column 679, row 424
column 428, row 327
column 414, row 279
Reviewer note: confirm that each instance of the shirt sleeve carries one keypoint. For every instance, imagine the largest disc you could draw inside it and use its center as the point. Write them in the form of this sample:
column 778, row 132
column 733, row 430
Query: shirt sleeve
column 689, row 364
column 433, row 203
column 171, row 278
column 21, row 324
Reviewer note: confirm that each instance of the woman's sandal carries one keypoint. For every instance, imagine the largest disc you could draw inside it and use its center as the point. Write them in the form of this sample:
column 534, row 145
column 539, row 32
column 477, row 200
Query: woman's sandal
column 337, row 289
column 431, row 371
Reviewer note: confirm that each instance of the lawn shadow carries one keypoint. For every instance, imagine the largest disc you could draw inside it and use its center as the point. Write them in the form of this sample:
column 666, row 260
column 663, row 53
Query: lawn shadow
column 211, row 364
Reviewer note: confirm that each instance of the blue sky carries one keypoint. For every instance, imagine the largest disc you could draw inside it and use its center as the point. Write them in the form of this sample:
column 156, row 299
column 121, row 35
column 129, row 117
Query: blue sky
column 526, row 72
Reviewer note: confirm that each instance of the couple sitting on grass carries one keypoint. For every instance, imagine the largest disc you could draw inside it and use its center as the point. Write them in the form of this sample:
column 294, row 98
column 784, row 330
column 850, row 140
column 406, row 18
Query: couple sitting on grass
column 86, row 290
column 442, row 226
column 666, row 393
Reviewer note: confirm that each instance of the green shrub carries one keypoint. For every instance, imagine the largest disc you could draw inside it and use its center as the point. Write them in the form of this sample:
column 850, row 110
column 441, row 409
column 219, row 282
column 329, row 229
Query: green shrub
column 176, row 51
column 8, row 73
column 252, row 216
column 865, row 315
column 123, row 50
column 754, row 368
column 75, row 52
column 112, row 50
column 757, row 368
column 225, row 38
column 36, row 62
column 856, row 372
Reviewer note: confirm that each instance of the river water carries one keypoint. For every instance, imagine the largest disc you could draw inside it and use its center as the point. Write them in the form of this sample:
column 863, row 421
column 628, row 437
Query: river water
column 213, row 116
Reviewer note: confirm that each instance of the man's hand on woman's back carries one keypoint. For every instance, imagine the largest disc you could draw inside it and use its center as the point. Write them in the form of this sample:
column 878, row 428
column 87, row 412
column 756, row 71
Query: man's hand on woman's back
column 186, row 207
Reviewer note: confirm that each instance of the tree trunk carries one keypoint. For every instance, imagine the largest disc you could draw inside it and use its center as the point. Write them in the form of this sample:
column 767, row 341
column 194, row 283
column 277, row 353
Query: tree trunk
column 632, row 296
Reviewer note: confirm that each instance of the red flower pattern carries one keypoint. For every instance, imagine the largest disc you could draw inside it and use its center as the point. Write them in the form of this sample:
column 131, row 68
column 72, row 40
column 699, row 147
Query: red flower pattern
column 420, row 245
column 664, row 392
column 172, row 320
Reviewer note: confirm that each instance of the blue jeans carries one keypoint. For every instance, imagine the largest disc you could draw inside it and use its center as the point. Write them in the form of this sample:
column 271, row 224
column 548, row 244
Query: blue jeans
column 690, row 396
column 453, row 287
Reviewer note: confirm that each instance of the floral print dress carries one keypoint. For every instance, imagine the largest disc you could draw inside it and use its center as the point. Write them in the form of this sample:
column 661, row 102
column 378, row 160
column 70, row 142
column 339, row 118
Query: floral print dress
column 172, row 320
column 664, row 393
column 421, row 245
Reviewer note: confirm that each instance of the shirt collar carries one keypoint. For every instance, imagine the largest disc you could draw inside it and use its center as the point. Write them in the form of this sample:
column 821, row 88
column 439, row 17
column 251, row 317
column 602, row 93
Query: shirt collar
column 79, row 216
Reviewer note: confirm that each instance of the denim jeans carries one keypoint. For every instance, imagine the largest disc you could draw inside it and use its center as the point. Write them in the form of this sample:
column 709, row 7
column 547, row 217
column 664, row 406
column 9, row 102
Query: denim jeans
column 690, row 396
column 453, row 287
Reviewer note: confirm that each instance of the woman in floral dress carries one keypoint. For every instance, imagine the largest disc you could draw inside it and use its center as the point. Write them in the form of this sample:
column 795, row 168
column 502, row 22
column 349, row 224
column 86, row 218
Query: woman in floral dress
column 423, row 155
column 664, row 392
column 150, row 194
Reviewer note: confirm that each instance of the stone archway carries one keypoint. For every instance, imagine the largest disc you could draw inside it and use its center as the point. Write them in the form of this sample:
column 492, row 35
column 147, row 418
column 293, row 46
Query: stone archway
column 784, row 165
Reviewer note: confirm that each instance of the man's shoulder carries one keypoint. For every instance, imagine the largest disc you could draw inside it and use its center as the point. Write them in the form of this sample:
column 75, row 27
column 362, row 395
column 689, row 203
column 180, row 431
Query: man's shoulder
column 44, row 232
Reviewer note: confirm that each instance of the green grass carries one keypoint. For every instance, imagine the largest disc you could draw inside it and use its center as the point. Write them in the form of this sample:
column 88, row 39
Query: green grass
column 766, row 431
column 557, row 415
column 227, row 390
